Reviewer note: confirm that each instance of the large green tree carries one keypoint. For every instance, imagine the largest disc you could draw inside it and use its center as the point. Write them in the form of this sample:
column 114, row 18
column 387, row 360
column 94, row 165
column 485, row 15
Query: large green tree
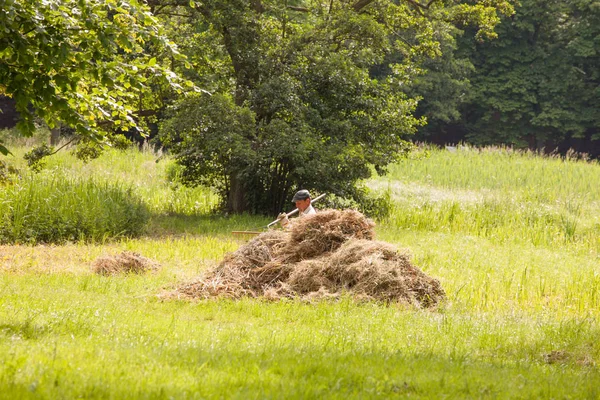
column 539, row 82
column 296, row 102
column 443, row 87
column 80, row 63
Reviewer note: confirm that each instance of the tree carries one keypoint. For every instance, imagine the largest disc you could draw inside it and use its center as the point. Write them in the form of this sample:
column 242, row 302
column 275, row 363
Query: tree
column 80, row 63
column 443, row 87
column 538, row 83
column 297, row 103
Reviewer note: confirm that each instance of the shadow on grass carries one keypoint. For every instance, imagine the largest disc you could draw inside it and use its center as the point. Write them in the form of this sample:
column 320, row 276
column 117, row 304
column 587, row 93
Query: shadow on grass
column 213, row 225
column 28, row 330
column 24, row 330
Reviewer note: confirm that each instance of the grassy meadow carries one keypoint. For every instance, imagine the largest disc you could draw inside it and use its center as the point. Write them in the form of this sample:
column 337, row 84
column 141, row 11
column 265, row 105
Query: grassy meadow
column 514, row 239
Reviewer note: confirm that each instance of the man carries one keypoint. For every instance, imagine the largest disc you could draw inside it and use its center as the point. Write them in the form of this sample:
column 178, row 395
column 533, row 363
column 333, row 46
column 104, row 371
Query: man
column 302, row 200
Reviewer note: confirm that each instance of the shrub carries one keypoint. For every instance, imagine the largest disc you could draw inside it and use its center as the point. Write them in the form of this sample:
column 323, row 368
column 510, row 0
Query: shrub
column 374, row 204
column 55, row 209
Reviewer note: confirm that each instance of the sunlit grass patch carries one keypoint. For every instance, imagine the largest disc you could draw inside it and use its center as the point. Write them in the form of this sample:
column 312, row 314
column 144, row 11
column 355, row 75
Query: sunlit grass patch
column 548, row 178
column 479, row 274
column 111, row 340
column 180, row 257
column 498, row 194
column 146, row 171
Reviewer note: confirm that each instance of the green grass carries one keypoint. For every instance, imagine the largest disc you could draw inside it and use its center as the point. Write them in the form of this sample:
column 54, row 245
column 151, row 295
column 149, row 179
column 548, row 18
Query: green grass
column 500, row 195
column 512, row 237
column 147, row 172
column 55, row 209
column 109, row 342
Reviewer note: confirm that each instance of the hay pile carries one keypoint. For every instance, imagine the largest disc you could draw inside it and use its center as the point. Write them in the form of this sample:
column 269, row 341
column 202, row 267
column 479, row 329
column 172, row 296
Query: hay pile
column 127, row 262
column 321, row 256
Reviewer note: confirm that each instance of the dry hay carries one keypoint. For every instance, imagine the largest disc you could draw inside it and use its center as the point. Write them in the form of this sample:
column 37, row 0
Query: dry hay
column 325, row 232
column 234, row 276
column 322, row 256
column 369, row 269
column 126, row 262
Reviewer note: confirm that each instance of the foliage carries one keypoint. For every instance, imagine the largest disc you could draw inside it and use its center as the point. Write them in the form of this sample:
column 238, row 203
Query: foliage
column 119, row 142
column 374, row 204
column 4, row 150
column 80, row 63
column 538, row 83
column 8, row 173
column 208, row 135
column 44, row 209
column 36, row 157
column 444, row 87
column 295, row 83
column 86, row 151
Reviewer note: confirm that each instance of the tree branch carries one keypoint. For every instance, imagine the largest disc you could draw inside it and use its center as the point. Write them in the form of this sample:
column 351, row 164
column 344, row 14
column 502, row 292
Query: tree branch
column 421, row 6
column 360, row 4
column 403, row 39
column 176, row 15
column 29, row 31
column 65, row 145
column 145, row 113
column 299, row 9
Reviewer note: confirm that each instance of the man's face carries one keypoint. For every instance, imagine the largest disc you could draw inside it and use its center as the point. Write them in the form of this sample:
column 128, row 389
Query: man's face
column 302, row 204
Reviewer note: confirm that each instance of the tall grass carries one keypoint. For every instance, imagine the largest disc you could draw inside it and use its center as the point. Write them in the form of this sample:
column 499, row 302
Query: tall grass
column 55, row 209
column 500, row 195
column 501, row 169
column 144, row 177
column 147, row 171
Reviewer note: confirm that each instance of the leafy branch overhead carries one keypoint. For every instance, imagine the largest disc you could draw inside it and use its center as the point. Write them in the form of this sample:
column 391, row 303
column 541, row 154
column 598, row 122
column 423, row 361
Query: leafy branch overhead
column 81, row 63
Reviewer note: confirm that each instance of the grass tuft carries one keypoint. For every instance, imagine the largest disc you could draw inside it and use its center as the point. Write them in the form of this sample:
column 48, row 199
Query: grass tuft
column 56, row 209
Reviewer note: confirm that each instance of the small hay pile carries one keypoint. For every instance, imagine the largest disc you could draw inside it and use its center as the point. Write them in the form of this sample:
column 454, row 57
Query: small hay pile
column 127, row 262
column 321, row 256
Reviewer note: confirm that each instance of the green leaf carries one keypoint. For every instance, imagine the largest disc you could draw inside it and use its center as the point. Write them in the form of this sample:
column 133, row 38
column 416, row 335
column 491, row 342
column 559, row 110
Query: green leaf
column 4, row 150
column 64, row 68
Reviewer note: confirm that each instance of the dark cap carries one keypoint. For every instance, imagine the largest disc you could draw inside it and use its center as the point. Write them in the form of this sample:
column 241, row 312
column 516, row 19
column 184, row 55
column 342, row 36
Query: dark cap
column 301, row 195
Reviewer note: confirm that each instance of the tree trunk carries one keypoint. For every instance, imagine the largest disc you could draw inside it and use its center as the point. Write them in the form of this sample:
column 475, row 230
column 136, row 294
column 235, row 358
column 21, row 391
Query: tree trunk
column 279, row 189
column 54, row 135
column 236, row 199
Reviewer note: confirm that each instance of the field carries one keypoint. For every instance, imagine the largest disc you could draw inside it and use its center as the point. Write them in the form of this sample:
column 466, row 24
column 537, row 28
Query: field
column 514, row 239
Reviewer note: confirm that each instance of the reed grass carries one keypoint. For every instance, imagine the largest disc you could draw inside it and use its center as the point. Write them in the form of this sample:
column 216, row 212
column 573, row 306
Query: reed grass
column 107, row 198
column 146, row 170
